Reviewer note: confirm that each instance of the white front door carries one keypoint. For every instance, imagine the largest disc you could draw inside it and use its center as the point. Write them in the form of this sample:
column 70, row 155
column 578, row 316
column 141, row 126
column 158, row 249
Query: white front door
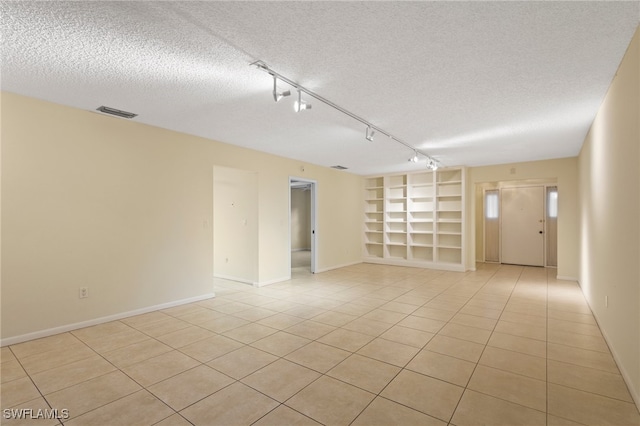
column 523, row 226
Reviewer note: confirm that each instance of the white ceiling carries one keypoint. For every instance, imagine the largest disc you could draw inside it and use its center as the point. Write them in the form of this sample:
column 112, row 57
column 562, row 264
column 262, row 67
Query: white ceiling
column 470, row 83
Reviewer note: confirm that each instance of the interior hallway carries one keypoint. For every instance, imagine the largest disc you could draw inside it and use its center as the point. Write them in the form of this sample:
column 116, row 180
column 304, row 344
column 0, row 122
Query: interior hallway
column 362, row 345
column 300, row 263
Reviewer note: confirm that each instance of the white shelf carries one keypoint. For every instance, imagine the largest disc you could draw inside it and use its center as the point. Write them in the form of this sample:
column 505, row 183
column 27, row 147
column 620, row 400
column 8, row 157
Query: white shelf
column 419, row 219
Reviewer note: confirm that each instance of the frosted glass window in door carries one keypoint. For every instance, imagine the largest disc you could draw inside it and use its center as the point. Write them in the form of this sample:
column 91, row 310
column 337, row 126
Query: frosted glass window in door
column 492, row 226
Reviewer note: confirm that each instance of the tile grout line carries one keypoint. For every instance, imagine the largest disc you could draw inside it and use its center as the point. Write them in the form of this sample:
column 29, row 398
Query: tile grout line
column 127, row 375
column 546, row 346
column 373, row 338
column 442, row 291
column 379, row 394
column 352, row 353
column 31, row 380
column 84, row 381
column 152, row 337
column 485, row 345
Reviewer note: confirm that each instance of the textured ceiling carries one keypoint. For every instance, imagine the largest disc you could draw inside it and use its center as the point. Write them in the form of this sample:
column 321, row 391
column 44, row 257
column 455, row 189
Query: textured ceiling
column 470, row 83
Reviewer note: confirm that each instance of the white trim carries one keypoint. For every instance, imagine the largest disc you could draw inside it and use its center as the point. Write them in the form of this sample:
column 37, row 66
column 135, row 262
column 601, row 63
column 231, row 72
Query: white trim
column 273, row 281
column 439, row 266
column 69, row 327
column 236, row 279
column 329, row 268
column 635, row 393
column 566, row 277
column 344, row 265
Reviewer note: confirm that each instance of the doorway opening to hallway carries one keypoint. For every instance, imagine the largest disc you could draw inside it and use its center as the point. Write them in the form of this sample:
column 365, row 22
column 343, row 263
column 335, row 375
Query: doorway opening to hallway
column 302, row 226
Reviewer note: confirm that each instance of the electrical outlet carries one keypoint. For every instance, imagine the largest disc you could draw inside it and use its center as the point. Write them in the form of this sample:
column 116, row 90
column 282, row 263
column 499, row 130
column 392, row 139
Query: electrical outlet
column 83, row 292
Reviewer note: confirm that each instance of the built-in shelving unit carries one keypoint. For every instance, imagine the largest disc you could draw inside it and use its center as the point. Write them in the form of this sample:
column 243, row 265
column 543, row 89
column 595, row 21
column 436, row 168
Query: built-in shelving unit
column 374, row 217
column 415, row 219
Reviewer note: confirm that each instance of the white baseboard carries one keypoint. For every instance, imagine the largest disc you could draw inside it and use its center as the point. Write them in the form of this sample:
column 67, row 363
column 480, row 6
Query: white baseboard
column 344, row 265
column 69, row 327
column 273, row 281
column 566, row 278
column 635, row 393
column 440, row 266
column 318, row 270
column 236, row 279
column 281, row 279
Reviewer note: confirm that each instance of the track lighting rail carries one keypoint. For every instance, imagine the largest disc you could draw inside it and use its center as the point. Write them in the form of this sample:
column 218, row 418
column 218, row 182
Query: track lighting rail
column 371, row 128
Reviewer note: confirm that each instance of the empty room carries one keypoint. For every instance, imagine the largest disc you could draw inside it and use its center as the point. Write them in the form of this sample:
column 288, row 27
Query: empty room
column 322, row 213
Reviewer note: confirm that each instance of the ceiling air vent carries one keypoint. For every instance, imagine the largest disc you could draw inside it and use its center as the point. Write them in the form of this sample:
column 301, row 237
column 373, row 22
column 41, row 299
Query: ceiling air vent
column 116, row 112
column 339, row 167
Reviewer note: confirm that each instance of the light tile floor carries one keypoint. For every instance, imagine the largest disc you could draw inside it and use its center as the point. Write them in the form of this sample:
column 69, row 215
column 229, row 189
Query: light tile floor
column 362, row 345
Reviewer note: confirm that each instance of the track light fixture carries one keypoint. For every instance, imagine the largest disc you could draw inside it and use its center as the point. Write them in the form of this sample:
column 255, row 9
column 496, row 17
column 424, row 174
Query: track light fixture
column 277, row 96
column 369, row 134
column 300, row 105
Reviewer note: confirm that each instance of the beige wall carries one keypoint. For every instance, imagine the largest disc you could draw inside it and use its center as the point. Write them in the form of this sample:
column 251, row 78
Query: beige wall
column 564, row 172
column 126, row 210
column 235, row 224
column 609, row 218
column 300, row 219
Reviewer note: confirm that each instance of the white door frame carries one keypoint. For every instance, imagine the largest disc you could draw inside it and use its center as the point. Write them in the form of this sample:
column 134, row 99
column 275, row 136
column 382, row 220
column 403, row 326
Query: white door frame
column 500, row 185
column 314, row 218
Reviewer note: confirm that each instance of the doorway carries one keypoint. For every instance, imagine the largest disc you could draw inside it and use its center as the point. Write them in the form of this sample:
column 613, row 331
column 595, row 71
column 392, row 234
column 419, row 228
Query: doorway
column 517, row 222
column 302, row 226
